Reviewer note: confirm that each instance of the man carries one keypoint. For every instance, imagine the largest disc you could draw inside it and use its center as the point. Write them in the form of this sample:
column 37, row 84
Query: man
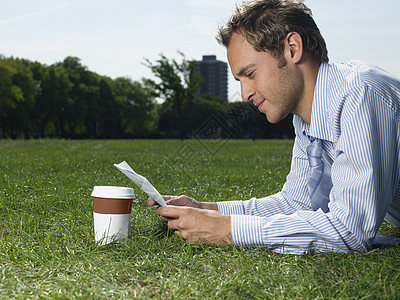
column 344, row 176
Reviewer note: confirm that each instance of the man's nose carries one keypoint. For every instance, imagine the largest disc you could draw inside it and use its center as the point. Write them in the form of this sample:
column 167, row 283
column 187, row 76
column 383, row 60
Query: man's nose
column 247, row 92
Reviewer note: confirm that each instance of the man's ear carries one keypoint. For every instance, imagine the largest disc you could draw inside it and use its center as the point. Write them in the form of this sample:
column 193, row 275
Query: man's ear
column 294, row 47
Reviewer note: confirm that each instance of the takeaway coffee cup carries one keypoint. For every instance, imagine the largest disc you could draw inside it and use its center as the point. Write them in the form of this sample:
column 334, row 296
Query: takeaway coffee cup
column 112, row 213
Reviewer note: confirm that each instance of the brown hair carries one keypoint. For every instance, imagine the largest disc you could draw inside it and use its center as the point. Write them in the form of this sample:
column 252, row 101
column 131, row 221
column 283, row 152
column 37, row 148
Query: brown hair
column 266, row 23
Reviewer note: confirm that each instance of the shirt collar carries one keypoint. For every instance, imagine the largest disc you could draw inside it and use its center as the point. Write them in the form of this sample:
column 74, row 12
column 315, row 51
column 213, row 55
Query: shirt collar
column 319, row 126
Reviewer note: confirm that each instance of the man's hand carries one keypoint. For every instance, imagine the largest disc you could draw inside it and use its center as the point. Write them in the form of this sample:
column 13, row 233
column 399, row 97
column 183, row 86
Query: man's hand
column 198, row 225
column 185, row 201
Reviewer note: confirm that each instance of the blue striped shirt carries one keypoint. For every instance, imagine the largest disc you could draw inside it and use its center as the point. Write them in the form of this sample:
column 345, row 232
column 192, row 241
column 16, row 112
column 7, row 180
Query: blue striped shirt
column 356, row 112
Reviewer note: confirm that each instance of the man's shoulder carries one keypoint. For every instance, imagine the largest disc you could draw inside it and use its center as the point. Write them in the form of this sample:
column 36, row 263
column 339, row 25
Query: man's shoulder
column 354, row 84
column 355, row 73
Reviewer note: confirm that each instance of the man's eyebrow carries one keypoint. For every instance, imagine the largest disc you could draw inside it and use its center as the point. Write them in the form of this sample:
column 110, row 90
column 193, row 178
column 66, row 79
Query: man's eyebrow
column 242, row 72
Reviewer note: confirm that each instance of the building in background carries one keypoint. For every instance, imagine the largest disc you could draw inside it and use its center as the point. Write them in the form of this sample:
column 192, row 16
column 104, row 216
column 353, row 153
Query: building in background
column 215, row 76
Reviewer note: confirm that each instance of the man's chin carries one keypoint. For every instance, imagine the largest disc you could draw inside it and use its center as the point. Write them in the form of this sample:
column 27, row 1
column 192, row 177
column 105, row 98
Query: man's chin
column 274, row 119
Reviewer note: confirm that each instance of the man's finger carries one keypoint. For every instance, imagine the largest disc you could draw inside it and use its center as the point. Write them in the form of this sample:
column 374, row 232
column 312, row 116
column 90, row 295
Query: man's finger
column 169, row 197
column 166, row 220
column 172, row 212
column 173, row 224
column 178, row 233
column 151, row 202
column 179, row 201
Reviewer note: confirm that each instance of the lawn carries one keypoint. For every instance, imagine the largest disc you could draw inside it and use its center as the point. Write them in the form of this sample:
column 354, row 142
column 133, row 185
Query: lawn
column 47, row 247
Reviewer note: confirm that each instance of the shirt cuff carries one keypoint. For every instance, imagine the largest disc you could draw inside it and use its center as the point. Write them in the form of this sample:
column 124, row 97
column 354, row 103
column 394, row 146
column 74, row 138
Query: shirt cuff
column 231, row 207
column 247, row 230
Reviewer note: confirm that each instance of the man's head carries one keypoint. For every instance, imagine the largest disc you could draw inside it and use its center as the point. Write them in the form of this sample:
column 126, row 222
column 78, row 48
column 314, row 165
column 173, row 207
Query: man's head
column 266, row 23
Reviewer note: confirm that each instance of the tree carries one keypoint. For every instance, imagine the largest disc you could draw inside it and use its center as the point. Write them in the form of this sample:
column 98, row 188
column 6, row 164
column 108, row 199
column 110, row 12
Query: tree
column 76, row 108
column 137, row 106
column 17, row 97
column 201, row 108
column 54, row 102
column 7, row 95
column 177, row 83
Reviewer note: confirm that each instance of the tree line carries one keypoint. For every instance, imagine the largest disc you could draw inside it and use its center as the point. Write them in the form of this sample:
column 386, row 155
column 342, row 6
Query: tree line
column 67, row 100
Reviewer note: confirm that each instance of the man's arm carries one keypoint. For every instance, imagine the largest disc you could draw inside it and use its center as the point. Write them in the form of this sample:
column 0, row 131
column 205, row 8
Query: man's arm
column 285, row 222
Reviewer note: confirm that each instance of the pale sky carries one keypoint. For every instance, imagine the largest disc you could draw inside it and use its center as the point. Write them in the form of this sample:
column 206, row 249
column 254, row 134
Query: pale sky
column 112, row 37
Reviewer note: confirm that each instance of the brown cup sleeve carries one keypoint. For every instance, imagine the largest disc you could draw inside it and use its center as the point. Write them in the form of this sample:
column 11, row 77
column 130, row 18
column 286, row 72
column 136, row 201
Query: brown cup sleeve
column 112, row 206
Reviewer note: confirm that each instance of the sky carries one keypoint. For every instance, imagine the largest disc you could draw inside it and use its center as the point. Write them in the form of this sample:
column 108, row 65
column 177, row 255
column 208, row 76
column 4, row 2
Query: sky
column 114, row 37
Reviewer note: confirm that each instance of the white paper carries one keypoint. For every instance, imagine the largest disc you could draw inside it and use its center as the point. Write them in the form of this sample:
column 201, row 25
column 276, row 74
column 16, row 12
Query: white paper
column 142, row 182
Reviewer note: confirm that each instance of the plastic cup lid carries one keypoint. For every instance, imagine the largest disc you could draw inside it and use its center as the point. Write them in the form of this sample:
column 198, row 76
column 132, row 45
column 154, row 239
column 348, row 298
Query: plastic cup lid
column 117, row 192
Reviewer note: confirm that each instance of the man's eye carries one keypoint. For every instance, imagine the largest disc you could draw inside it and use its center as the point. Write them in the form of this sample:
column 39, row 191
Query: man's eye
column 250, row 75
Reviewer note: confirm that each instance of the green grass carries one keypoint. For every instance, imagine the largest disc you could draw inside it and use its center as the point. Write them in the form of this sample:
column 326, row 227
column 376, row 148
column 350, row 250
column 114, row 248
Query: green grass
column 47, row 247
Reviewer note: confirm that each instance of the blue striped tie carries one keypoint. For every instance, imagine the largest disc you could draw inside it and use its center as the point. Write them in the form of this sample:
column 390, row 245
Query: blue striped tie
column 319, row 181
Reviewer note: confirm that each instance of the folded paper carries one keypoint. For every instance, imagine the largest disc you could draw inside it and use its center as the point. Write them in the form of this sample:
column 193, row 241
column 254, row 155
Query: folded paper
column 141, row 182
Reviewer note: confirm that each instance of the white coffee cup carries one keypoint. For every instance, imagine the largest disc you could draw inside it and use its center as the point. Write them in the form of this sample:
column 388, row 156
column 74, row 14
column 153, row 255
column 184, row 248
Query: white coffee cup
column 112, row 212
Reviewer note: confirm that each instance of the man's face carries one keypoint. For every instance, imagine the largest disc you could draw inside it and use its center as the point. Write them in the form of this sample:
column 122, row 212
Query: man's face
column 273, row 88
